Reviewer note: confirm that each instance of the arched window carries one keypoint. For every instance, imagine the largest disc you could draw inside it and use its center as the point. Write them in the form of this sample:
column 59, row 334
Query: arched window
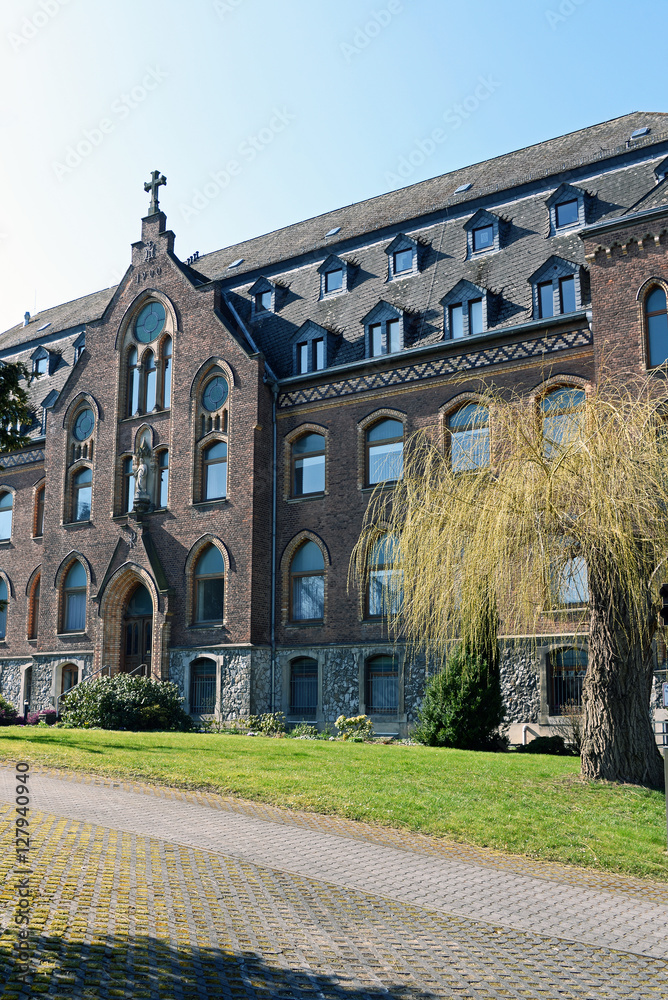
column 469, row 437
column 69, row 678
column 82, row 494
column 308, row 465
column 33, row 609
column 657, row 327
column 384, row 581
column 128, row 485
column 132, row 404
column 163, row 468
column 307, row 584
column 304, row 687
column 209, row 586
column 202, row 687
column 566, row 674
column 3, row 608
column 381, row 686
column 385, row 452
column 6, row 506
column 562, row 414
column 150, row 381
column 166, row 393
column 39, row 512
column 74, row 617
column 214, row 471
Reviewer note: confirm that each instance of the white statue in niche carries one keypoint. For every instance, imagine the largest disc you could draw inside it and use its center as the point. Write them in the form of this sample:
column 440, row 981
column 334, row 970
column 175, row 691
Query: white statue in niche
column 142, row 458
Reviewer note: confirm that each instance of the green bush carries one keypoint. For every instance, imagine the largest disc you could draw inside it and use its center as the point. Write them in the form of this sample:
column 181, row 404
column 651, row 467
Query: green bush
column 269, row 724
column 462, row 706
column 8, row 714
column 357, row 728
column 124, row 702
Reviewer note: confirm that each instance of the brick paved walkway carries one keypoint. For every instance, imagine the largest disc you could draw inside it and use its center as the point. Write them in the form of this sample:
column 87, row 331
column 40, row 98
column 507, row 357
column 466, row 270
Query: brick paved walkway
column 147, row 892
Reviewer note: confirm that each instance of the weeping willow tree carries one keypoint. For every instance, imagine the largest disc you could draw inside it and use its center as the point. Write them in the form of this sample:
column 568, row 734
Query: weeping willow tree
column 521, row 505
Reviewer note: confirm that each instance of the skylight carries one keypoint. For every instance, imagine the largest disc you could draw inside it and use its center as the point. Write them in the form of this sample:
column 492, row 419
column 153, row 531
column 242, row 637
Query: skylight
column 235, row 263
column 43, row 327
column 333, row 232
column 462, row 188
column 640, row 132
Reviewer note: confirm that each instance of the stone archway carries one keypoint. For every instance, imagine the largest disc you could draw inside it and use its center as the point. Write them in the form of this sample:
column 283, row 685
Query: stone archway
column 122, row 621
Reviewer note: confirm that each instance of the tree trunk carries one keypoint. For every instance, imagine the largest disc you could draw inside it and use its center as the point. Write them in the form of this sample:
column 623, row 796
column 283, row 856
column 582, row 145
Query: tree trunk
column 618, row 740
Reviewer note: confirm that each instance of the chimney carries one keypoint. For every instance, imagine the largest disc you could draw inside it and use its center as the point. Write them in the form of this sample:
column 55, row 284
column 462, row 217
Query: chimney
column 26, row 319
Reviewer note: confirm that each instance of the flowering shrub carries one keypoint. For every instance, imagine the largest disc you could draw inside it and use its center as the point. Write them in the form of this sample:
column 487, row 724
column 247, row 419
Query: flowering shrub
column 124, row 702
column 269, row 724
column 8, row 714
column 358, row 728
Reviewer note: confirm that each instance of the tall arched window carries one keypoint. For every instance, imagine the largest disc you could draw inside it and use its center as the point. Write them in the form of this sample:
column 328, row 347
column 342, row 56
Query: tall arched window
column 166, row 394
column 382, row 686
column 562, row 414
column 74, row 591
column 128, row 485
column 150, row 381
column 39, row 512
column 469, row 437
column 571, row 583
column 6, row 506
column 308, row 465
column 656, row 317
column 82, row 494
column 385, row 452
column 3, row 608
column 209, row 582
column 132, row 396
column 33, row 609
column 163, row 488
column 384, row 581
column 214, row 471
column 307, row 584
column 304, row 687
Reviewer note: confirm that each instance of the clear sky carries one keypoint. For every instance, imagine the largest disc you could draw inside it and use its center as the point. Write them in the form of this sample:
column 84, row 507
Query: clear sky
column 263, row 113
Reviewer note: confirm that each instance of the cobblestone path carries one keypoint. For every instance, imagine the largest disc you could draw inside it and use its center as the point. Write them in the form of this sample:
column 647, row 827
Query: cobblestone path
column 140, row 891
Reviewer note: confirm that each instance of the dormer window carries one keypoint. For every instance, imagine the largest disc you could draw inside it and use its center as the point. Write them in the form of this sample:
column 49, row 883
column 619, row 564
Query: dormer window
column 482, row 233
column 465, row 310
column 40, row 362
column 384, row 330
column 312, row 348
column 79, row 346
column 556, row 288
column 567, row 207
column 402, row 257
column 263, row 297
column 334, row 276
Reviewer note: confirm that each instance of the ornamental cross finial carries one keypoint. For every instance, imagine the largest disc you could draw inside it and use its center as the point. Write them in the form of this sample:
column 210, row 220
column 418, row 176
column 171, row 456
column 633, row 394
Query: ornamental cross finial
column 156, row 180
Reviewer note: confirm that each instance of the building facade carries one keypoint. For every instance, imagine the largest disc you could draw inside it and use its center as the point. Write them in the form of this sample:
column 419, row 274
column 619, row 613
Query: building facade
column 208, row 434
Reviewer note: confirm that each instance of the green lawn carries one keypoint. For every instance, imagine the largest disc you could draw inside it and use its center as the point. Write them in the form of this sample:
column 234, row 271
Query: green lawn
column 520, row 803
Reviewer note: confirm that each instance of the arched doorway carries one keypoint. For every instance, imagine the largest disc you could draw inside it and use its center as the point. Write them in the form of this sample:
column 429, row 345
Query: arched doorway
column 137, row 631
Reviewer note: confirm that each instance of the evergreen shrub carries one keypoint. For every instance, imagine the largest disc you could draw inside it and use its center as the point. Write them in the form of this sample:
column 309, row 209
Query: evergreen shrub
column 462, row 706
column 124, row 702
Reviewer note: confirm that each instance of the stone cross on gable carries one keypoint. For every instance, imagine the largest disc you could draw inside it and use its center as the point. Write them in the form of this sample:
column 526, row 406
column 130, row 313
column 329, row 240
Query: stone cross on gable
column 156, row 180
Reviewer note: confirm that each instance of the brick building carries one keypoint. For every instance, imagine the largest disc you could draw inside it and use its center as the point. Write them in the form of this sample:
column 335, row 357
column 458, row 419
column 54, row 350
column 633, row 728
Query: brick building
column 208, row 433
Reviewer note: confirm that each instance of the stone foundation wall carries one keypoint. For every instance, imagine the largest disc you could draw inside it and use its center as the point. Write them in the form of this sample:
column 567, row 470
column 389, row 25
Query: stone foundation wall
column 520, row 680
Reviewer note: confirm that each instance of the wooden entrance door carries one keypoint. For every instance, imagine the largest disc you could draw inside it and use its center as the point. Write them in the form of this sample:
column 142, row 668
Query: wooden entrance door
column 137, row 632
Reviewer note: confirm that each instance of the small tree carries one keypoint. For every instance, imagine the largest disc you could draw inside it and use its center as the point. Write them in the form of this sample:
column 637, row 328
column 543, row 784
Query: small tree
column 590, row 487
column 15, row 411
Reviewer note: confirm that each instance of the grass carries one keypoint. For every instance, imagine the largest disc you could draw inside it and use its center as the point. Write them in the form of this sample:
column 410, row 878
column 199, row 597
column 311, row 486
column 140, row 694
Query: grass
column 533, row 805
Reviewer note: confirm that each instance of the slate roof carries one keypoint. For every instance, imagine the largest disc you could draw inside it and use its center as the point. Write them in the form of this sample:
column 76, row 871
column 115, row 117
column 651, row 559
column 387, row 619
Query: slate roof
column 62, row 317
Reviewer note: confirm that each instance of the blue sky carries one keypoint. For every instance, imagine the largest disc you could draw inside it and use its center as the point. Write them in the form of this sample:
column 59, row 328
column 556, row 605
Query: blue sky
column 263, row 113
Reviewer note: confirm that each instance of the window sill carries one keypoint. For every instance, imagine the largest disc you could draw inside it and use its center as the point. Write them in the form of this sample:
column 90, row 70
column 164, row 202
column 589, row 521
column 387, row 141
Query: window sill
column 77, row 524
column 387, row 484
column 307, row 496
column 205, row 504
column 208, row 626
column 5, row 543
column 72, row 635
column 148, row 413
column 38, row 538
column 305, row 624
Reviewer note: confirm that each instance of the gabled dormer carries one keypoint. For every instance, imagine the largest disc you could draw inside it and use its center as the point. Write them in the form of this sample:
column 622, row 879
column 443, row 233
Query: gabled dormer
column 483, row 233
column 79, row 346
column 312, row 348
column 556, row 288
column 335, row 276
column 47, row 404
column 40, row 361
column 466, row 310
column 263, row 297
column 383, row 330
column 568, row 208
column 403, row 257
